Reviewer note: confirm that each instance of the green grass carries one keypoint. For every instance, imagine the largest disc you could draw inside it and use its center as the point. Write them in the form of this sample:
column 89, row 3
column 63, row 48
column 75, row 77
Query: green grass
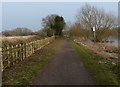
column 101, row 73
column 24, row 73
column 111, row 51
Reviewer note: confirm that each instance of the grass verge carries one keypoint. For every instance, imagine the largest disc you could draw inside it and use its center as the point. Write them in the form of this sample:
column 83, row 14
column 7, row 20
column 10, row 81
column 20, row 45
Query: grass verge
column 101, row 73
column 23, row 72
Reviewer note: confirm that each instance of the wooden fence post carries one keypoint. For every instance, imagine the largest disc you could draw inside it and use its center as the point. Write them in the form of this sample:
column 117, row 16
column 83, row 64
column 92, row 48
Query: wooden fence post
column 18, row 52
column 11, row 54
column 25, row 50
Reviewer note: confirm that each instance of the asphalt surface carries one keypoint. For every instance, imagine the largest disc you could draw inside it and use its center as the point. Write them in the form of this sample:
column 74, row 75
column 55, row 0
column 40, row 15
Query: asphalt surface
column 65, row 68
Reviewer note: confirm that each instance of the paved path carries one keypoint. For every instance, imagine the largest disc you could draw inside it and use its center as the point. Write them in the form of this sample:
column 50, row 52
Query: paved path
column 65, row 68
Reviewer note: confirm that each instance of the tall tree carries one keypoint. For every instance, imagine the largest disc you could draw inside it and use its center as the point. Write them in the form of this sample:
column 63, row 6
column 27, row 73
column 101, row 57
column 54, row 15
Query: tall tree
column 59, row 25
column 48, row 21
column 90, row 16
column 54, row 22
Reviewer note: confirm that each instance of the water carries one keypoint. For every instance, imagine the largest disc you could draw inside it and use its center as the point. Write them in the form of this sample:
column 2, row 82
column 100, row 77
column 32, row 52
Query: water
column 115, row 40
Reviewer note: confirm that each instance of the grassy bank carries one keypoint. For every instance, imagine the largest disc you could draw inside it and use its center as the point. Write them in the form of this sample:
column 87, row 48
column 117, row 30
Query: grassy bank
column 101, row 73
column 24, row 72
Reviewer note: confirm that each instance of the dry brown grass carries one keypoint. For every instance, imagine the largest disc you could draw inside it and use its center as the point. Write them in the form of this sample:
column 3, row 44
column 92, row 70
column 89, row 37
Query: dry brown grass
column 15, row 38
column 99, row 48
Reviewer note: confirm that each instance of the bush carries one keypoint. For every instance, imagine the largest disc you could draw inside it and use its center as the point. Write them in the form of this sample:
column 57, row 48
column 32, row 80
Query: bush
column 45, row 32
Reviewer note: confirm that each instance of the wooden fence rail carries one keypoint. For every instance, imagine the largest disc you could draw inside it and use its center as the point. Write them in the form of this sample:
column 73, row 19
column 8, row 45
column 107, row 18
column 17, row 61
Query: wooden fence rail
column 12, row 54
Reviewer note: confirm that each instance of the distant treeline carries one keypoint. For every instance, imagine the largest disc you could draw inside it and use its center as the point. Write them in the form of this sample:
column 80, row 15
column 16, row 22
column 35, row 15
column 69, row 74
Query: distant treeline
column 18, row 32
column 25, row 32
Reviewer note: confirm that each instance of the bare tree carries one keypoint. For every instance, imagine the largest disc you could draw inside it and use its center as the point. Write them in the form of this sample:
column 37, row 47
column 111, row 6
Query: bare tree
column 90, row 16
column 78, row 31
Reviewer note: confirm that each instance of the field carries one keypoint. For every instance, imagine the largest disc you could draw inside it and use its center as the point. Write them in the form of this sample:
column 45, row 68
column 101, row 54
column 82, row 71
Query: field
column 14, row 38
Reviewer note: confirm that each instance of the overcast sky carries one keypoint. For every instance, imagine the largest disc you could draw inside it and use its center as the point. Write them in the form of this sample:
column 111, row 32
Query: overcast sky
column 30, row 14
